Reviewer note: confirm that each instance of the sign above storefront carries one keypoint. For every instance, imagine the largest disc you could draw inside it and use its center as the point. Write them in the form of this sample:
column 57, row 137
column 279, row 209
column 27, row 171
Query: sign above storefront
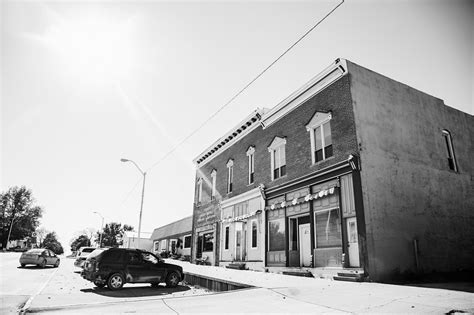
column 241, row 217
column 320, row 194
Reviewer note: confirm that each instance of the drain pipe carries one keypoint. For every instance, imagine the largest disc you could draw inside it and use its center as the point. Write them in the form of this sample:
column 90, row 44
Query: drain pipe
column 415, row 248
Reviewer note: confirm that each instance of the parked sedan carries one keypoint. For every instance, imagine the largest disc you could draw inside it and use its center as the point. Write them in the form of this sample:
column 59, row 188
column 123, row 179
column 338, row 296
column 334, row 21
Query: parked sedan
column 40, row 257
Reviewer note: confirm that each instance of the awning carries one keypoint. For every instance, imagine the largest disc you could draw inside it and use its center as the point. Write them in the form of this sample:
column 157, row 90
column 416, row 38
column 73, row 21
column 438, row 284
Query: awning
column 243, row 217
column 288, row 203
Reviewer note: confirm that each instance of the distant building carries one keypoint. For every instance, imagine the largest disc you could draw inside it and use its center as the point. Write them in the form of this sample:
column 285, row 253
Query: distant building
column 353, row 170
column 130, row 240
column 173, row 238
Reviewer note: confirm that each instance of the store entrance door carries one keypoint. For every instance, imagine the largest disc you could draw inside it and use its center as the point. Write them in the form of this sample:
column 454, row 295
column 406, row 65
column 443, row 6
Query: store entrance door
column 305, row 245
column 353, row 242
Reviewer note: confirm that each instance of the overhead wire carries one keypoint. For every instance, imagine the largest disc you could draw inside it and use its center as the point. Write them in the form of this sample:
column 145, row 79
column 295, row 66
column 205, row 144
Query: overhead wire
column 243, row 89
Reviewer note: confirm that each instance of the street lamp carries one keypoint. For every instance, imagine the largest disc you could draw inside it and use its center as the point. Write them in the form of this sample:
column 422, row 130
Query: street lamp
column 143, row 193
column 100, row 237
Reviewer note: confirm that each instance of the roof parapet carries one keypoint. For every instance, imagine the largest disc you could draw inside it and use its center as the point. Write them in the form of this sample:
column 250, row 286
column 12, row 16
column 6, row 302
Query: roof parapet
column 318, row 83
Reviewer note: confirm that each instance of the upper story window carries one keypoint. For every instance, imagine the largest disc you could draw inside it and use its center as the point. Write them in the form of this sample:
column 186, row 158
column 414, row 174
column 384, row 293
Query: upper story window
column 450, row 151
column 213, row 189
column 320, row 134
column 199, row 190
column 251, row 155
column 278, row 157
column 230, row 175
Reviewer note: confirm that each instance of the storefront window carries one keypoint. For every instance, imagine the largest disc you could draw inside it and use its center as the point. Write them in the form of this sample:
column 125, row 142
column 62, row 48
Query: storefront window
column 276, row 235
column 328, row 229
column 187, row 241
column 208, row 242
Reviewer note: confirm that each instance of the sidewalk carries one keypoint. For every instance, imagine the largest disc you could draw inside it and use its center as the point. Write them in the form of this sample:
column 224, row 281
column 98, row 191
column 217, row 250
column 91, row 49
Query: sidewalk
column 349, row 297
column 272, row 293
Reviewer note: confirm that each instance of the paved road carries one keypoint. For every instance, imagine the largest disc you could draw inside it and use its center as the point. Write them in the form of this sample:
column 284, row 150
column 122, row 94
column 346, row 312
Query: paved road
column 18, row 284
column 63, row 289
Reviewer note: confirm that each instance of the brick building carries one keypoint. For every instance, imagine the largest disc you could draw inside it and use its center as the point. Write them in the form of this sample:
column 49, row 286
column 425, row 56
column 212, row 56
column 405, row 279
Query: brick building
column 353, row 170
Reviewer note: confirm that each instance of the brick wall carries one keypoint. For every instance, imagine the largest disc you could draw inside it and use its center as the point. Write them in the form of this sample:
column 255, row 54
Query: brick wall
column 335, row 98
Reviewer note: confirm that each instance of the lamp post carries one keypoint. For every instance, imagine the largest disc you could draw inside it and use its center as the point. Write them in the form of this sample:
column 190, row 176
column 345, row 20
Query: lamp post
column 100, row 237
column 143, row 193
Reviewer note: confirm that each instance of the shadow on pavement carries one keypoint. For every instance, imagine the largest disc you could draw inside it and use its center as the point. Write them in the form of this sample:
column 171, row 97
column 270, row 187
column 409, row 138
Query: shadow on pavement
column 137, row 291
column 455, row 286
column 32, row 267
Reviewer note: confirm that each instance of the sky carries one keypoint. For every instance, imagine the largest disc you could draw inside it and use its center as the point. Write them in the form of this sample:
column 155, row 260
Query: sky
column 84, row 84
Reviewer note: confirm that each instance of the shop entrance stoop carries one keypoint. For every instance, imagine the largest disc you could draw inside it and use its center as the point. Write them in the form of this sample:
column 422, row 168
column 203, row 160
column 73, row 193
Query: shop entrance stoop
column 238, row 266
column 351, row 275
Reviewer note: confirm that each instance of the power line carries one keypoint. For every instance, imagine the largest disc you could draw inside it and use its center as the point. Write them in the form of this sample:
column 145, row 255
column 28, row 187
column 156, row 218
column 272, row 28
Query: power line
column 243, row 89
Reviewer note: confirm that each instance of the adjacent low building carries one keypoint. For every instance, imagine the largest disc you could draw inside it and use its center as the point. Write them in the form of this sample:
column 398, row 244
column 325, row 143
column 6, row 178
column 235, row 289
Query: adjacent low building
column 173, row 238
column 352, row 170
column 130, row 240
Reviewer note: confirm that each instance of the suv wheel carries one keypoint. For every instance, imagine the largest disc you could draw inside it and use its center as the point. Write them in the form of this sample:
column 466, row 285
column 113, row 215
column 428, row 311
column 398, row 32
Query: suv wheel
column 115, row 281
column 172, row 279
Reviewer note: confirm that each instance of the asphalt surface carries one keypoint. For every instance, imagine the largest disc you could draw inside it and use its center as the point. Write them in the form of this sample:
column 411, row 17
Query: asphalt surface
column 34, row 289
column 62, row 290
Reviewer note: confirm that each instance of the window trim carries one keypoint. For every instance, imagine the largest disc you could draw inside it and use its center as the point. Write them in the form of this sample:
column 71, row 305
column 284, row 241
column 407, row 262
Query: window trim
column 315, row 233
column 277, row 143
column 450, row 150
column 213, row 188
column 190, row 242
column 251, row 233
column 226, row 238
column 251, row 163
column 268, row 231
column 199, row 190
column 230, row 175
column 318, row 120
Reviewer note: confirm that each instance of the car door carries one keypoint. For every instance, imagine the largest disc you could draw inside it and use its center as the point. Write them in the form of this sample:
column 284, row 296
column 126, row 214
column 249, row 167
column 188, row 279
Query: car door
column 136, row 270
column 50, row 258
column 154, row 268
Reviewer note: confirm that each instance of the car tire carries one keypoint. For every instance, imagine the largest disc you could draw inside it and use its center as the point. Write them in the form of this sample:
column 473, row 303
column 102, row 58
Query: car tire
column 56, row 265
column 172, row 279
column 42, row 264
column 22, row 265
column 115, row 281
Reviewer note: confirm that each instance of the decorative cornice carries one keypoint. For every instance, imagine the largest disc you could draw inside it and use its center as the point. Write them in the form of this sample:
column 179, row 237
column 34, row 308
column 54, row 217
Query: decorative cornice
column 250, row 123
column 313, row 87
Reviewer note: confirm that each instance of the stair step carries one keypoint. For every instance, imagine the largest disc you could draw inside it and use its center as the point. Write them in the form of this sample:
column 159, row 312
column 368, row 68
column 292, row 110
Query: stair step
column 236, row 266
column 298, row 273
column 350, row 274
column 349, row 279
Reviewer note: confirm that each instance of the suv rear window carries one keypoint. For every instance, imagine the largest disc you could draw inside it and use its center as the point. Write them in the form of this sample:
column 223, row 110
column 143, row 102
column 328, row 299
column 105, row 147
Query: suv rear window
column 112, row 255
column 96, row 252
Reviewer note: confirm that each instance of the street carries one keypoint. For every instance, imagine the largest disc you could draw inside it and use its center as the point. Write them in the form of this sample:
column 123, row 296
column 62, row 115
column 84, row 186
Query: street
column 62, row 290
column 62, row 287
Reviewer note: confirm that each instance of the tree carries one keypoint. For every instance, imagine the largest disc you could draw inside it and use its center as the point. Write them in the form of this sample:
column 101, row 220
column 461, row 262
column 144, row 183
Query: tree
column 113, row 234
column 51, row 242
column 40, row 235
column 80, row 241
column 20, row 217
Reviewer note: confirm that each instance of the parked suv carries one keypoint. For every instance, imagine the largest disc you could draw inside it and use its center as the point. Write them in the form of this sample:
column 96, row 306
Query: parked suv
column 116, row 266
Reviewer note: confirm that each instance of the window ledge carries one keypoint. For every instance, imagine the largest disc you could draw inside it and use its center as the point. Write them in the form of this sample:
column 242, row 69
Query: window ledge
column 284, row 176
column 321, row 162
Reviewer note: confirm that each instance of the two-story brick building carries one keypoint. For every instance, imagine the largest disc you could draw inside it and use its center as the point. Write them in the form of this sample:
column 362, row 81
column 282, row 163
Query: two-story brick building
column 352, row 170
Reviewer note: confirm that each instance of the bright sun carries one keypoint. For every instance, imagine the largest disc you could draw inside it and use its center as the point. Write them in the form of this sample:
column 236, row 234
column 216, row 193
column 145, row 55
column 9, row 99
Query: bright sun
column 93, row 46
